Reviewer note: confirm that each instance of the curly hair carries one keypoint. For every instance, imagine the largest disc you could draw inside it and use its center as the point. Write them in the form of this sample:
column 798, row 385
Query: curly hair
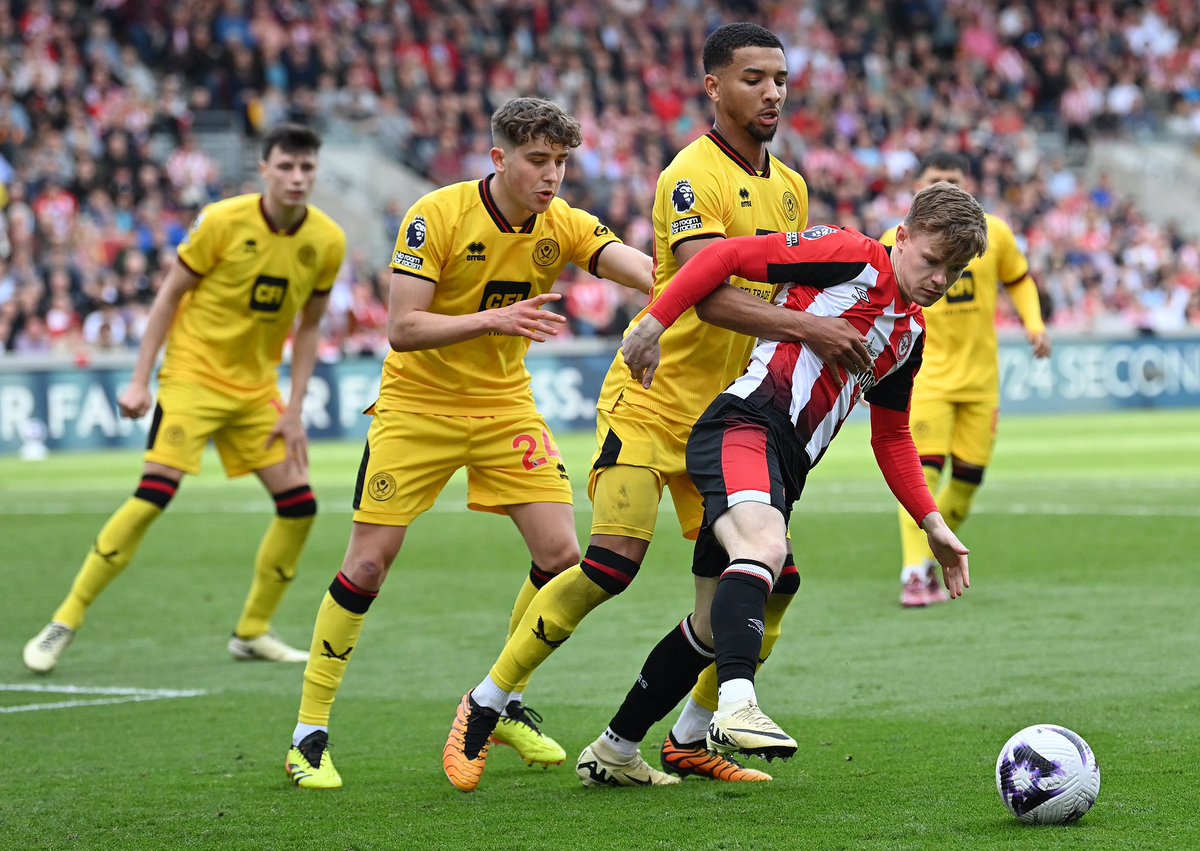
column 522, row 120
column 721, row 44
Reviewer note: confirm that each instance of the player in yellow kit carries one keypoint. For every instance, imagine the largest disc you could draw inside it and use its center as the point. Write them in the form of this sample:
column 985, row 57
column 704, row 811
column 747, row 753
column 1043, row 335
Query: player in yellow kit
column 722, row 185
column 956, row 398
column 472, row 271
column 247, row 268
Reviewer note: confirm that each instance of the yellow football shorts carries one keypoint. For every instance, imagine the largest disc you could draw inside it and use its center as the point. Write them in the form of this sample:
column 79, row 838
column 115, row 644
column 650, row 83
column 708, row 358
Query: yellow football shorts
column 963, row 430
column 638, row 455
column 510, row 460
column 189, row 413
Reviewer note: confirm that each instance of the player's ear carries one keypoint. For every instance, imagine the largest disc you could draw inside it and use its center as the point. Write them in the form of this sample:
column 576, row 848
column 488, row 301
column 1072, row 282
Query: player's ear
column 498, row 157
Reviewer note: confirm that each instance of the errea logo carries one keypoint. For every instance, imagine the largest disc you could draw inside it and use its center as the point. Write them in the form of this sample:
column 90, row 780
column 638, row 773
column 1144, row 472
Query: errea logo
column 744, row 194
column 475, row 252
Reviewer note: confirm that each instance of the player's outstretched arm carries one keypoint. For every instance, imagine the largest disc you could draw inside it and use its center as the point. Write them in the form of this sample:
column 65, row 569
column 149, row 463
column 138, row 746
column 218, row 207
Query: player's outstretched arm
column 950, row 553
column 135, row 400
column 412, row 326
column 627, row 266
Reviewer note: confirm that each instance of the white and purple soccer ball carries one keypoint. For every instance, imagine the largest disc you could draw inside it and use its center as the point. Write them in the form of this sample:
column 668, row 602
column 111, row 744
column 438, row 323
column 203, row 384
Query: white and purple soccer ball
column 1047, row 775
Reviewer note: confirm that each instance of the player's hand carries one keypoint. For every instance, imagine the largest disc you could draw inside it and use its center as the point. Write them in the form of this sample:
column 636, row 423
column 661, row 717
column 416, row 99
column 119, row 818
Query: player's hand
column 1041, row 345
column 950, row 553
column 134, row 401
column 527, row 319
column 837, row 343
column 641, row 351
column 291, row 431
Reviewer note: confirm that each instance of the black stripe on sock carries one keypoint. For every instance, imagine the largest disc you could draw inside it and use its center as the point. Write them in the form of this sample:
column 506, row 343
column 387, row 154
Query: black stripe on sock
column 156, row 489
column 537, row 576
column 349, row 596
column 611, row 571
column 297, row 502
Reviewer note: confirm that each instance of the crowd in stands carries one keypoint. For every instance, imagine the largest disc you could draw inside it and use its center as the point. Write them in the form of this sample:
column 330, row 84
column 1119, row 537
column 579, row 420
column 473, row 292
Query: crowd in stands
column 101, row 172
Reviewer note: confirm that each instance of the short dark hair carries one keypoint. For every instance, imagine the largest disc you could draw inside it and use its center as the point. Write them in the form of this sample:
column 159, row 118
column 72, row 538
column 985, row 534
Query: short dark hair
column 720, row 45
column 945, row 161
column 522, row 120
column 291, row 139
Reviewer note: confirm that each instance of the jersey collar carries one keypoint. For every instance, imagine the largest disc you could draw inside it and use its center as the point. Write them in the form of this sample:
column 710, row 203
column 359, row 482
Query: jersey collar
column 262, row 208
column 493, row 210
column 728, row 150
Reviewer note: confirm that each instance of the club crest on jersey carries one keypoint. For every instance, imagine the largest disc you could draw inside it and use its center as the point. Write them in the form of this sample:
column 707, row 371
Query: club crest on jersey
column 904, row 345
column 791, row 207
column 817, row 232
column 546, row 252
column 307, row 255
column 683, row 199
column 414, row 237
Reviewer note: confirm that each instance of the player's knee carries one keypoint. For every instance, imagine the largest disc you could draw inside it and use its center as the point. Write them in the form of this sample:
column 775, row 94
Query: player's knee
column 157, row 490
column 366, row 571
column 296, row 502
column 558, row 558
column 611, row 571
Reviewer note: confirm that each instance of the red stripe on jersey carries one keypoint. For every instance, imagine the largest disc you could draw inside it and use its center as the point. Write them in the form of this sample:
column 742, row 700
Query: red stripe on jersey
column 744, row 460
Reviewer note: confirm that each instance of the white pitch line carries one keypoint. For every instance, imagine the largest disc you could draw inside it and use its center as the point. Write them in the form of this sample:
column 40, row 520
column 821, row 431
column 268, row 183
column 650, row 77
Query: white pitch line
column 118, row 695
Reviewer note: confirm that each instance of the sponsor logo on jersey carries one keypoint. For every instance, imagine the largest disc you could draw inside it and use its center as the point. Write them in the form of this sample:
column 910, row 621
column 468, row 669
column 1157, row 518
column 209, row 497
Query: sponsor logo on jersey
column 600, row 230
column 744, row 194
column 407, row 261
column 792, row 239
column 268, row 294
column 497, row 294
column 414, row 237
column 546, row 252
column 791, row 207
column 475, row 252
column 251, row 246
column 307, row 255
column 685, row 225
column 817, row 232
column 683, row 199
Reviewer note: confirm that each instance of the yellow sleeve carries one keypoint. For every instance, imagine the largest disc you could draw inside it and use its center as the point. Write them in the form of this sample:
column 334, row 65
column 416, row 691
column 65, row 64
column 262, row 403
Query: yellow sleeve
column 693, row 203
column 333, row 262
column 1013, row 268
column 589, row 235
column 889, row 237
column 201, row 247
column 421, row 242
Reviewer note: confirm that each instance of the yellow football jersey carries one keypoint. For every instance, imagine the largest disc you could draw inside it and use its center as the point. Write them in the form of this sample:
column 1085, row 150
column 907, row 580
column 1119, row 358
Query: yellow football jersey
column 708, row 190
column 230, row 329
column 962, row 353
column 457, row 238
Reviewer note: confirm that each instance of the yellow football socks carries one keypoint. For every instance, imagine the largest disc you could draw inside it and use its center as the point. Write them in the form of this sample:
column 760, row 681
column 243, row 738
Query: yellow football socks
column 274, row 570
column 113, row 550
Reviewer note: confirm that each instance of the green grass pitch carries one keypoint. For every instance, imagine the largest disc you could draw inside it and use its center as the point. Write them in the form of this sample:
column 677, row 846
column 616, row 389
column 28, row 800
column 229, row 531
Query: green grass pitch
column 1085, row 612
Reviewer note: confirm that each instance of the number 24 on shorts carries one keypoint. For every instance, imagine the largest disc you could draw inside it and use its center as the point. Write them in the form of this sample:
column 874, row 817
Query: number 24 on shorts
column 533, row 458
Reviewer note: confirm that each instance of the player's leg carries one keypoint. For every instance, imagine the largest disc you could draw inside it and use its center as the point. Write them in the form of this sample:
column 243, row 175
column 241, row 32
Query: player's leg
column 242, row 445
column 179, row 430
column 548, row 529
column 932, row 425
column 339, row 624
column 113, row 549
column 735, row 461
column 405, row 464
column 531, row 486
column 971, row 451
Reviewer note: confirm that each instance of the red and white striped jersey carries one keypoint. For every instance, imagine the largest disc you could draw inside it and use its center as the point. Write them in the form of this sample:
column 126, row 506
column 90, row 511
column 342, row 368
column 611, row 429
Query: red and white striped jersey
column 826, row 271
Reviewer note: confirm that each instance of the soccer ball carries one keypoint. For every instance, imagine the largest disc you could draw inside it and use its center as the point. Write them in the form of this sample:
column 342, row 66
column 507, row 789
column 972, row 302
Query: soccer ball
column 1047, row 775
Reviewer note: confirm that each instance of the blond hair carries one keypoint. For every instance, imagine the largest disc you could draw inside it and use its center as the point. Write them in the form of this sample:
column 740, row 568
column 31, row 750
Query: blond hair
column 954, row 219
